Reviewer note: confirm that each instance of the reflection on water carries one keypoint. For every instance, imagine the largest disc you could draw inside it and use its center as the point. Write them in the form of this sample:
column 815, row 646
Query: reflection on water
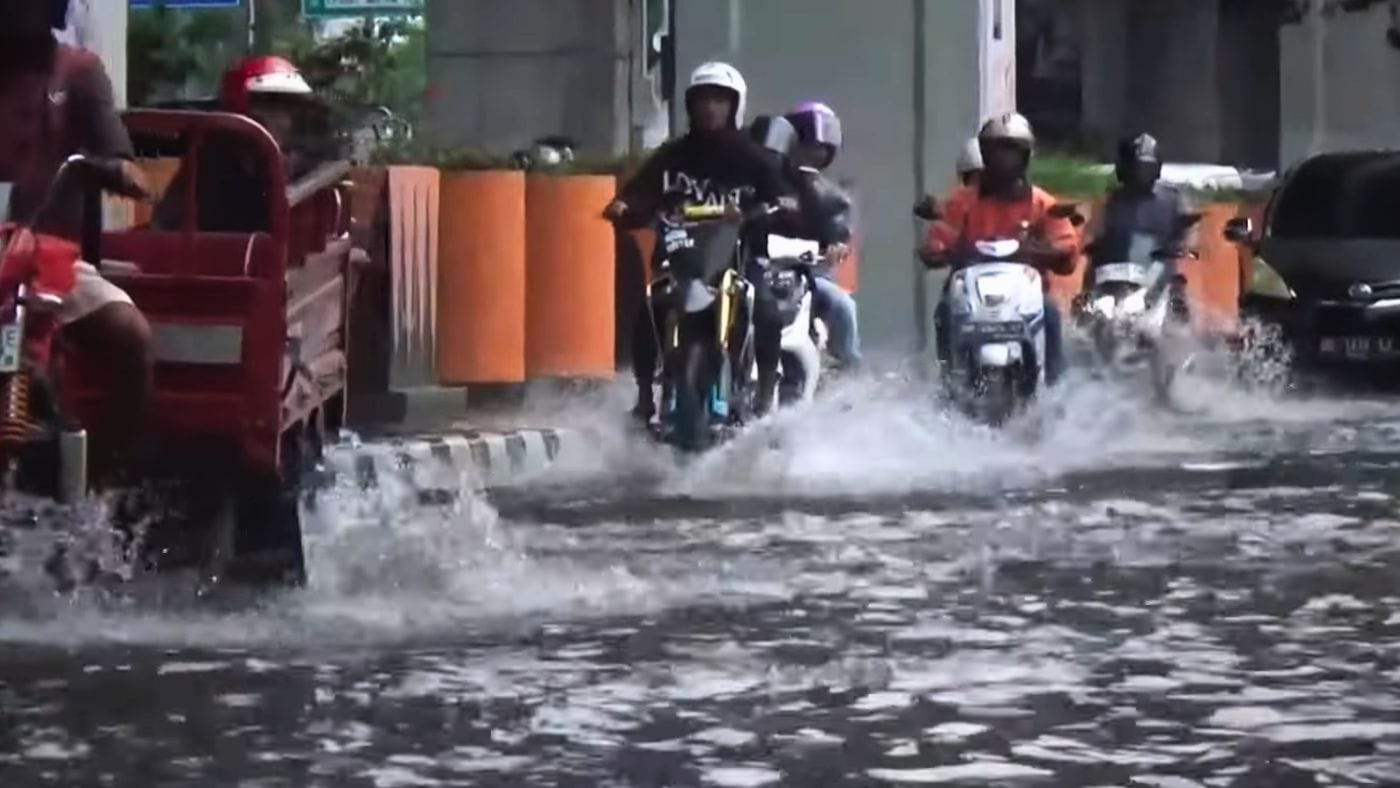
column 1121, row 600
column 1233, row 637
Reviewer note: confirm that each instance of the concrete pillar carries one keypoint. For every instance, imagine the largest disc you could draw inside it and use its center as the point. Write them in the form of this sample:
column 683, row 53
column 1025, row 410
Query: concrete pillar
column 502, row 73
column 1104, row 64
column 100, row 25
column 1173, row 86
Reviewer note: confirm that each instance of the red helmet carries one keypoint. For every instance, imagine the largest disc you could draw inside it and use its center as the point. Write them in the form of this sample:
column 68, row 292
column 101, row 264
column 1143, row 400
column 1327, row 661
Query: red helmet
column 261, row 74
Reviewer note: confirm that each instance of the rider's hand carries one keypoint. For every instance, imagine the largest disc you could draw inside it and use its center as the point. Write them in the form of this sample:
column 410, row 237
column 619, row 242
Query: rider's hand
column 932, row 258
column 837, row 253
column 615, row 211
column 927, row 208
column 115, row 175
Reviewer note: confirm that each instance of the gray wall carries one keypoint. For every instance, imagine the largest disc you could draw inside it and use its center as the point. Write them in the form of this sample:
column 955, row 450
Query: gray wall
column 1199, row 75
column 905, row 77
column 1342, row 84
column 505, row 72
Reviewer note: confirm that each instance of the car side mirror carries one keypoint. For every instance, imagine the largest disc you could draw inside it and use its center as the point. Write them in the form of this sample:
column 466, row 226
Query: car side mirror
column 1239, row 230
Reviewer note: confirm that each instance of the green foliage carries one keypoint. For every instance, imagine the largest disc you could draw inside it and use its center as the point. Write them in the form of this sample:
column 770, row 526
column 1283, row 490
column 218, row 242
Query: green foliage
column 174, row 54
column 1079, row 178
column 378, row 62
column 180, row 54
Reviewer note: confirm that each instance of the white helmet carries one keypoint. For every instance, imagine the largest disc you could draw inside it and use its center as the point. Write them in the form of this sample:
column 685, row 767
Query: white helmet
column 970, row 158
column 1008, row 127
column 722, row 75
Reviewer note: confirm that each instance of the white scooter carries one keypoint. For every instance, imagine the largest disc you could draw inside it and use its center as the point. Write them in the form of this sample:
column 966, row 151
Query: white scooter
column 1127, row 315
column 791, row 269
column 996, row 329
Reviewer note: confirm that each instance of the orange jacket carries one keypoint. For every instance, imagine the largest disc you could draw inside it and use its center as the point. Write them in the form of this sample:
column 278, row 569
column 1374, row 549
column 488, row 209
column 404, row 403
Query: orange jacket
column 969, row 217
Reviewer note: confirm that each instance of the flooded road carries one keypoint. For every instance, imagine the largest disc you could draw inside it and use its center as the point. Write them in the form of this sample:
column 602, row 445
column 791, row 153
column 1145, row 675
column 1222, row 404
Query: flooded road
column 880, row 596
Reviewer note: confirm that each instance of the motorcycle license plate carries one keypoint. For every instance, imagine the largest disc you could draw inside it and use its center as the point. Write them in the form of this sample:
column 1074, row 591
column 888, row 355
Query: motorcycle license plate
column 1363, row 348
column 11, row 337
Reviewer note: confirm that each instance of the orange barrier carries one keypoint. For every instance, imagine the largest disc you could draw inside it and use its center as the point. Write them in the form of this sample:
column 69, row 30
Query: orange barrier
column 1255, row 212
column 414, row 207
column 1213, row 281
column 570, row 285
column 847, row 274
column 481, row 278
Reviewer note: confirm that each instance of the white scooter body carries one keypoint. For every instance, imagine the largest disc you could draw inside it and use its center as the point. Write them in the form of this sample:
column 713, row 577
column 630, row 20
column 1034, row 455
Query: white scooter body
column 996, row 310
column 804, row 335
column 1127, row 309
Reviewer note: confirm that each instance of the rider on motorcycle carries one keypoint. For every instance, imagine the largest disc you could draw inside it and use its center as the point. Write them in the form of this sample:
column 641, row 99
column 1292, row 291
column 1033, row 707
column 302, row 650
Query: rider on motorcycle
column 825, row 216
column 1002, row 202
column 1141, row 206
column 57, row 101
column 714, row 163
column 231, row 189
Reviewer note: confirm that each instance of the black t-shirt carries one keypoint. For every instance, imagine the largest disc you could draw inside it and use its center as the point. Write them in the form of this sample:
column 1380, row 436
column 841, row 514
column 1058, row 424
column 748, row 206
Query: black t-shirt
column 711, row 169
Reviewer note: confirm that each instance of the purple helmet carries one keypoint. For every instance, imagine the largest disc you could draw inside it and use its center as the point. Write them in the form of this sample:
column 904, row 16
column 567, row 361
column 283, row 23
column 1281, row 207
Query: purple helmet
column 817, row 123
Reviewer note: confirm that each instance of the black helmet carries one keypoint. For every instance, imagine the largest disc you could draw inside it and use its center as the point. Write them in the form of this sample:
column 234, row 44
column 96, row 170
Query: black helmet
column 774, row 133
column 1139, row 160
column 58, row 14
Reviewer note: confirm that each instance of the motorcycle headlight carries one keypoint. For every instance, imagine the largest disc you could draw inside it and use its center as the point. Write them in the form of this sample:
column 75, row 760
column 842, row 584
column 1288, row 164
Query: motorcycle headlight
column 782, row 281
column 1134, row 304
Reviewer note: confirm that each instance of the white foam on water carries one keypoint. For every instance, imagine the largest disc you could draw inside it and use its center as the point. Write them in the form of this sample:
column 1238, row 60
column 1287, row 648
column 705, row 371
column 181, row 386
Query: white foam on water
column 989, row 772
column 740, row 776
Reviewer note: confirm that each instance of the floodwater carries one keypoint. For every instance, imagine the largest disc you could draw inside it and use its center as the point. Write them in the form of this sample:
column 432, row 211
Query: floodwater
column 1104, row 594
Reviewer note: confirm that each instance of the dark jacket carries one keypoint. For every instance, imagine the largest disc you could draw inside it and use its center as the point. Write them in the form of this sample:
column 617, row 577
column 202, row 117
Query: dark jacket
column 824, row 209
column 711, row 169
column 1129, row 212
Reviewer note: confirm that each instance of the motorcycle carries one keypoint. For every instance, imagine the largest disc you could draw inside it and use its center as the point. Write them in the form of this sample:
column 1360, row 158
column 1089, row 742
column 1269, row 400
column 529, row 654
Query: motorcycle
column 707, row 334
column 1132, row 317
column 790, row 278
column 42, row 451
column 996, row 325
column 996, row 319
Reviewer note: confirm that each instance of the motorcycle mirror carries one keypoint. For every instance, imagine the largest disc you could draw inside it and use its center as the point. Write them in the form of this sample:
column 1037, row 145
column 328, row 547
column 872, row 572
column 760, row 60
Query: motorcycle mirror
column 1239, row 230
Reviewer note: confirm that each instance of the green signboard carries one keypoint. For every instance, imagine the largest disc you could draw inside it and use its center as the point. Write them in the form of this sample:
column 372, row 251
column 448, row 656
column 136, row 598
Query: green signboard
column 340, row 8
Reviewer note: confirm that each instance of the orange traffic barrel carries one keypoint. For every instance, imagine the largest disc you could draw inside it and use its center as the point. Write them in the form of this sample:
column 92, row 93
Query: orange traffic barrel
column 571, row 278
column 1213, row 281
column 481, row 278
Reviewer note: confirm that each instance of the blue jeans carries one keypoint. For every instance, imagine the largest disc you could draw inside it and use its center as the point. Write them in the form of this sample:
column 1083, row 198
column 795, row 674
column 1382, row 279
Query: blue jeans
column 1054, row 338
column 838, row 309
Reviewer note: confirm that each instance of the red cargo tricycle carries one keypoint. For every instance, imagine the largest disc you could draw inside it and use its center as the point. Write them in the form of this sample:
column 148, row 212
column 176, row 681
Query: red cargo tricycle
column 249, row 317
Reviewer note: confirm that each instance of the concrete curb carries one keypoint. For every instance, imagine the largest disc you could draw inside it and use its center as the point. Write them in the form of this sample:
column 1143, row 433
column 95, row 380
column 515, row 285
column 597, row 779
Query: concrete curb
column 441, row 465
